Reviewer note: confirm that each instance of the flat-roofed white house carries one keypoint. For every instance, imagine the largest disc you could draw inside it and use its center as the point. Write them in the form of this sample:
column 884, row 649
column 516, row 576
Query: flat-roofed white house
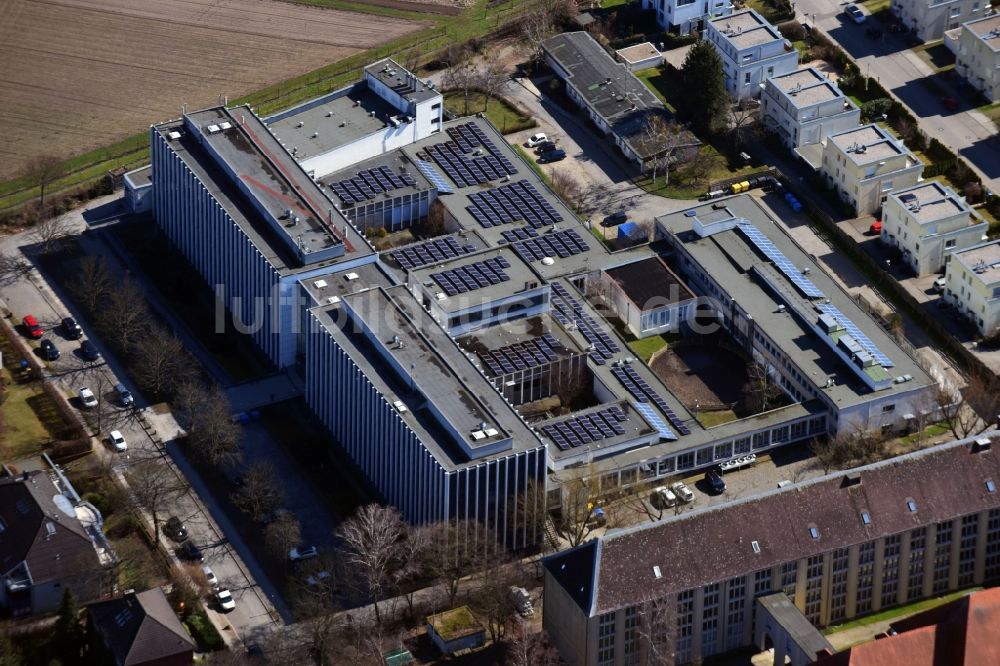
column 804, row 107
column 972, row 284
column 978, row 56
column 685, row 16
column 929, row 19
column 927, row 223
column 865, row 164
column 752, row 51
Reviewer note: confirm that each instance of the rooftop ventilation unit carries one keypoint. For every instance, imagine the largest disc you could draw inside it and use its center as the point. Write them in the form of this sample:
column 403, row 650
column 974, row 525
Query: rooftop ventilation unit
column 225, row 125
column 319, row 284
column 351, row 276
column 213, row 129
column 400, row 407
column 173, row 136
column 333, row 300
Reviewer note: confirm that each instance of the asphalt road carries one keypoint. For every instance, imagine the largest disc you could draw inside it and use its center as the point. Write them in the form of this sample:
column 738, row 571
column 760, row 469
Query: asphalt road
column 900, row 71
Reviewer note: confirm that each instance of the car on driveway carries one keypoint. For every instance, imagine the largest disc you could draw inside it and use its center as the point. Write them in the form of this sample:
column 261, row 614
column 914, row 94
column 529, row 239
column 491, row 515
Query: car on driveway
column 662, row 498
column 32, row 327
column 545, row 147
column 536, row 139
column 175, row 529
column 855, row 13
column 49, row 350
column 87, row 397
column 715, row 482
column 304, row 553
column 683, row 493
column 552, row 156
column 124, row 395
column 71, row 328
column 118, row 441
column 88, row 350
column 225, row 599
column 189, row 551
column 613, row 220
column 210, row 577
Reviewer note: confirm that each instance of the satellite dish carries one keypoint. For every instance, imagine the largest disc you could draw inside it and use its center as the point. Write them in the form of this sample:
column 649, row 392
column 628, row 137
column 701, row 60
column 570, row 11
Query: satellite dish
column 548, row 261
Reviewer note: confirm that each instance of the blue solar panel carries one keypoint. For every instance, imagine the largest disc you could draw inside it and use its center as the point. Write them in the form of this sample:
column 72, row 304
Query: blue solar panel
column 856, row 333
column 782, row 263
column 654, row 420
column 432, row 175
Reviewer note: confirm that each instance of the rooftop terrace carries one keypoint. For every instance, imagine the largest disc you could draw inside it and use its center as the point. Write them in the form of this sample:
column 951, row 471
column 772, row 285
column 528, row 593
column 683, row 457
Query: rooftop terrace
column 868, row 144
column 983, row 260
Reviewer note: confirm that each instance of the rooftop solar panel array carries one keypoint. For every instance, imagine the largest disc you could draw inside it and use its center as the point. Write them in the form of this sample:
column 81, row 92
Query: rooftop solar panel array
column 469, row 157
column 472, row 276
column 437, row 180
column 510, row 203
column 568, row 311
column 560, row 244
column 369, row 183
column 588, row 428
column 856, row 333
column 790, row 270
column 654, row 420
column 643, row 392
column 521, row 233
column 520, row 355
column 439, row 249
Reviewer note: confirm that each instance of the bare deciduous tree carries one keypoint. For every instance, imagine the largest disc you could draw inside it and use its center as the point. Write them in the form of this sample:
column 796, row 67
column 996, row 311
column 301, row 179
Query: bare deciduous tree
column 282, row 534
column 973, row 409
column 491, row 598
column 93, row 283
column 530, row 649
column 527, row 522
column 743, row 122
column 124, row 315
column 464, row 77
column 567, row 187
column 661, row 139
column 154, row 486
column 260, row 493
column 50, row 232
column 655, row 631
column 213, row 437
column 374, row 545
column 13, row 268
column 579, row 498
column 761, row 392
column 454, row 549
column 849, row 448
column 542, row 22
column 44, row 170
column 492, row 79
column 162, row 363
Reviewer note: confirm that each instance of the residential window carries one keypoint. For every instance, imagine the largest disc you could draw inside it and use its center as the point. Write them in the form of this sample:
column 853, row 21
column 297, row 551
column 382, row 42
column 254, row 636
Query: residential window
column 838, row 585
column 762, row 582
column 918, row 543
column 631, row 644
column 890, row 570
column 942, row 556
column 992, row 570
column 967, row 549
column 735, row 613
column 814, row 588
column 710, row 620
column 746, row 79
column 866, row 560
column 685, row 625
column 789, row 577
column 950, row 243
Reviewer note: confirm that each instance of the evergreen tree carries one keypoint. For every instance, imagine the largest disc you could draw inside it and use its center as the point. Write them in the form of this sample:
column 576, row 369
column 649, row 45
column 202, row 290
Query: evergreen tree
column 68, row 635
column 705, row 100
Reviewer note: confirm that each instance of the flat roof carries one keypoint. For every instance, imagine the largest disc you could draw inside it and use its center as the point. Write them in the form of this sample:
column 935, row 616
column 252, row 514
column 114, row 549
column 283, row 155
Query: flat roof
column 342, row 117
column 746, row 28
column 395, row 161
column 608, row 87
column 931, row 201
column 648, row 282
column 639, row 52
column 870, row 143
column 805, row 87
column 795, row 625
column 986, row 29
column 276, row 180
column 983, row 261
column 405, row 84
column 340, row 282
column 518, row 272
column 734, row 262
column 140, row 177
column 443, row 381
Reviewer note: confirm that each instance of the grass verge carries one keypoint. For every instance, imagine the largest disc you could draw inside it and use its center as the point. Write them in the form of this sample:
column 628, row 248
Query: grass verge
column 22, row 431
column 712, row 419
column 646, row 347
column 499, row 111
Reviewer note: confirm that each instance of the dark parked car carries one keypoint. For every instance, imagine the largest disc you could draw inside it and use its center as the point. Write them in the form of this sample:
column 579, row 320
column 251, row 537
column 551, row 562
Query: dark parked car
column 72, row 329
column 714, row 480
column 545, row 147
column 189, row 551
column 49, row 351
column 614, row 219
column 175, row 529
column 89, row 351
column 553, row 156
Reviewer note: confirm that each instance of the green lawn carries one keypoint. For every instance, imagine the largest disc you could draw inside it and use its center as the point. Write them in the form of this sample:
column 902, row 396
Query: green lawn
column 657, row 81
column 991, row 111
column 646, row 347
column 22, row 431
column 715, row 418
column 680, row 186
column 875, row 6
column 898, row 611
column 932, row 430
column 498, row 111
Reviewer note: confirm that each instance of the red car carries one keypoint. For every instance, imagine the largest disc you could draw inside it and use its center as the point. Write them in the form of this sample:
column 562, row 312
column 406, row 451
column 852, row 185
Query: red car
column 31, row 325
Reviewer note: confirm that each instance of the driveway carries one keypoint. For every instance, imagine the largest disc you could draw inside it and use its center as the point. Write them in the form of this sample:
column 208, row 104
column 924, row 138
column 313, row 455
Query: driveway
column 900, row 71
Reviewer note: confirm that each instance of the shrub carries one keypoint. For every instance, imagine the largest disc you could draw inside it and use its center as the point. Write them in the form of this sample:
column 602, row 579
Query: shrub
column 203, row 632
column 792, row 30
column 973, row 192
column 875, row 109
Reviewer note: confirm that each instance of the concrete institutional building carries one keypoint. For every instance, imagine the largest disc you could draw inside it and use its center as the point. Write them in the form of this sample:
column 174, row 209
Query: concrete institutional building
column 927, row 223
column 865, row 164
column 804, row 107
column 616, row 101
column 838, row 547
column 978, row 56
column 930, row 19
column 972, row 284
column 685, row 16
column 752, row 51
column 474, row 358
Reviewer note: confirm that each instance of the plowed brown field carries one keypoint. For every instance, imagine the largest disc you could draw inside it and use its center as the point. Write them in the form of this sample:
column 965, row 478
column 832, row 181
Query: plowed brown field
column 79, row 74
